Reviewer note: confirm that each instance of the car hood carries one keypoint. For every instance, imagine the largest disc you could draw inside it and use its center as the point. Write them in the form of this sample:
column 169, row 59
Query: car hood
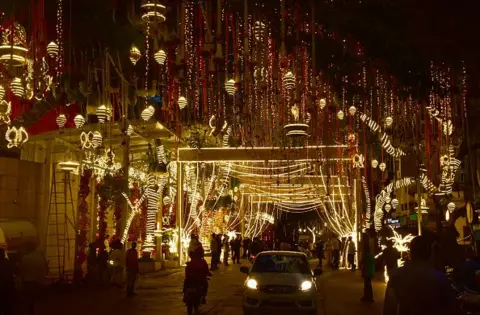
column 270, row 278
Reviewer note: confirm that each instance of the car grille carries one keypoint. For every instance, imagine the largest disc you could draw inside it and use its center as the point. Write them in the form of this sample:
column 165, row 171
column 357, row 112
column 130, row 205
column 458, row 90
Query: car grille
column 278, row 289
column 278, row 304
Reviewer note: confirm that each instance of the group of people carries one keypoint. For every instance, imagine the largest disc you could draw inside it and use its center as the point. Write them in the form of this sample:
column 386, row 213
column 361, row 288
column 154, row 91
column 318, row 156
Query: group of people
column 232, row 246
column 331, row 249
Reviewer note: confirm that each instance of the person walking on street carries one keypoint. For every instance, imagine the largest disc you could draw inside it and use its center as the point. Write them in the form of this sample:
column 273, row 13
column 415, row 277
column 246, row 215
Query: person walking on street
column 246, row 247
column 335, row 253
column 351, row 253
column 237, row 244
column 214, row 251
column 7, row 284
column 368, row 270
column 320, row 253
column 390, row 258
column 131, row 263
column 226, row 250
column 418, row 288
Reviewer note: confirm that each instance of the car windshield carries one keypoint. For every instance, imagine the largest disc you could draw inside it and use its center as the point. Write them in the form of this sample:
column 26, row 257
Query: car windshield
column 281, row 264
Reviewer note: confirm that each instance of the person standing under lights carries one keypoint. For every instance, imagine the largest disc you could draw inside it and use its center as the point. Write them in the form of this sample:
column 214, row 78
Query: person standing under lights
column 131, row 263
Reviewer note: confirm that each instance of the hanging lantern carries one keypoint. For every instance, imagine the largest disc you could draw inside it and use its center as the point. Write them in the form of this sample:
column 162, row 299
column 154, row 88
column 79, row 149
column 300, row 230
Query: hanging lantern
column 352, row 110
column 182, row 102
column 388, row 199
column 230, row 87
column 451, row 206
column 97, row 139
column 52, row 49
column 259, row 30
column 383, row 167
column 135, row 55
column 2, row 92
column 13, row 50
column 102, row 114
column 374, row 163
column 17, row 87
column 340, row 115
column 153, row 11
column 289, row 81
column 130, row 130
column 61, row 120
column 147, row 113
column 395, row 203
column 79, row 121
column 322, row 103
column 388, row 121
column 388, row 207
column 160, row 57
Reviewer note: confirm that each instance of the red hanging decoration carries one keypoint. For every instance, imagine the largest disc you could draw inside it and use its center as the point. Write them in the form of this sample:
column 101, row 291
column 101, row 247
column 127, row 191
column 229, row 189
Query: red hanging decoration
column 83, row 222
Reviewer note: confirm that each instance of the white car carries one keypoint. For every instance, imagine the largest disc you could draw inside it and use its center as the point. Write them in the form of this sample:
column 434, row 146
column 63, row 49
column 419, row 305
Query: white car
column 280, row 280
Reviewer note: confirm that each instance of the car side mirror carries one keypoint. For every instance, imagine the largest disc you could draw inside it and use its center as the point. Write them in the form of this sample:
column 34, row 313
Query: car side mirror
column 317, row 272
column 244, row 270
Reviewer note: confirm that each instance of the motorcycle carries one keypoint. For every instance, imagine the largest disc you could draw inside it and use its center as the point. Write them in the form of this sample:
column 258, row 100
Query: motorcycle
column 194, row 294
column 469, row 301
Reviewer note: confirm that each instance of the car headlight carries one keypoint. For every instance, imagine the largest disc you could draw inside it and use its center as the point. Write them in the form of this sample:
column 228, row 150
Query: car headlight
column 306, row 285
column 252, row 284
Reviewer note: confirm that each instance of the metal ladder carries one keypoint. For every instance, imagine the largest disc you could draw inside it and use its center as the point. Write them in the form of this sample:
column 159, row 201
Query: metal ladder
column 60, row 226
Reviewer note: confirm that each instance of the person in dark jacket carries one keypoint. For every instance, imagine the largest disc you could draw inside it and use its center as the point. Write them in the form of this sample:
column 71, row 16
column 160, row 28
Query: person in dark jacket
column 246, row 247
column 256, row 247
column 131, row 264
column 418, row 288
column 368, row 270
column 320, row 249
column 237, row 244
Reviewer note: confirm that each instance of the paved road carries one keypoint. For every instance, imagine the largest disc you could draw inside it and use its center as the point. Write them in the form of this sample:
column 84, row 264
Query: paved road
column 339, row 294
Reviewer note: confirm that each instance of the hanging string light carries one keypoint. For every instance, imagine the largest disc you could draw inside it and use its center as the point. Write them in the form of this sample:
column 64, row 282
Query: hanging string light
column 52, row 50
column 374, row 163
column 2, row 92
column 17, row 87
column 182, row 102
column 340, row 115
column 259, row 30
column 79, row 121
column 61, row 120
column 160, row 57
column 135, row 55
